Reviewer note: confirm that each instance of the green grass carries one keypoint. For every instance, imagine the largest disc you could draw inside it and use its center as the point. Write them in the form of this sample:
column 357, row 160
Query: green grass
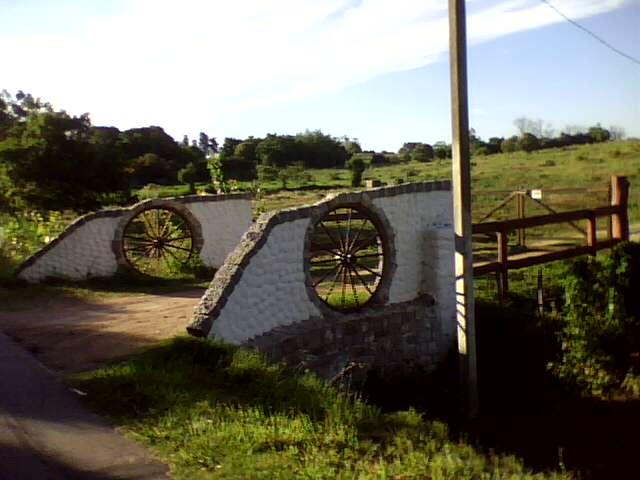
column 584, row 166
column 213, row 411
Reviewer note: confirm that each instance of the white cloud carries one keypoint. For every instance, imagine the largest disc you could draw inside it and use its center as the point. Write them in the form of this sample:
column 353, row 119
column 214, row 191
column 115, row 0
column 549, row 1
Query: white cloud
column 185, row 64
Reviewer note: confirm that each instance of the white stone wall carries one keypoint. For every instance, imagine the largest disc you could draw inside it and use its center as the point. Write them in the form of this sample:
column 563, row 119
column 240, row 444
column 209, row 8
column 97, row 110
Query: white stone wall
column 85, row 252
column 410, row 217
column 85, row 249
column 272, row 290
column 223, row 223
column 438, row 277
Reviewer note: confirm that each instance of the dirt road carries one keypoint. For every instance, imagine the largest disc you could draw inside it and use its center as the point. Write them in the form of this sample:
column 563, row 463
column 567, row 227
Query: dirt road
column 71, row 335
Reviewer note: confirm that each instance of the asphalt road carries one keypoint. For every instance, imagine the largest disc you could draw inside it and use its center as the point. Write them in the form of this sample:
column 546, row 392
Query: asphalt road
column 46, row 433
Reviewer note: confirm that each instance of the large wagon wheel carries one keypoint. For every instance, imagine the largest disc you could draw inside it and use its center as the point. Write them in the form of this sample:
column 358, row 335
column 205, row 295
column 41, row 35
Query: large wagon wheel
column 157, row 241
column 346, row 258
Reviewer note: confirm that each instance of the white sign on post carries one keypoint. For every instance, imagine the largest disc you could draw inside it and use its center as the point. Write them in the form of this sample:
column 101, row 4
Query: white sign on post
column 536, row 194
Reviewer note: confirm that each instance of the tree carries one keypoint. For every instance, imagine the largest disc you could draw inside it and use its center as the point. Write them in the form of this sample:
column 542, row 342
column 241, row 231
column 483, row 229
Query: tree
column 494, row 145
column 318, row 150
column 149, row 168
column 137, row 142
column 422, row 153
column 599, row 134
column 208, row 146
column 228, row 147
column 442, row 150
column 51, row 163
column 188, row 175
column 247, row 150
column 529, row 142
column 15, row 109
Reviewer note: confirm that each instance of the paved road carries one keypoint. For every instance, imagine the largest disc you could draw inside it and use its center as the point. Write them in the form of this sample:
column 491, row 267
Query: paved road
column 46, row 434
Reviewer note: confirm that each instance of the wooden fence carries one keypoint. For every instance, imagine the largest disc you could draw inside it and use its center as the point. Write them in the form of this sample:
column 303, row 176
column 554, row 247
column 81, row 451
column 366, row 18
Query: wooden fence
column 619, row 231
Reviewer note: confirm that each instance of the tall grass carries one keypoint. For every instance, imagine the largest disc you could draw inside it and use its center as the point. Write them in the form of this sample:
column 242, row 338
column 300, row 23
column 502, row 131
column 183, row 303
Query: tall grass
column 214, row 411
column 23, row 234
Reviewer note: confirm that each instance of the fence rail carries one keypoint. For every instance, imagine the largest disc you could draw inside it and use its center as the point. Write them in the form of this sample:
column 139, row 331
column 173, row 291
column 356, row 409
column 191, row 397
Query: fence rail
column 617, row 211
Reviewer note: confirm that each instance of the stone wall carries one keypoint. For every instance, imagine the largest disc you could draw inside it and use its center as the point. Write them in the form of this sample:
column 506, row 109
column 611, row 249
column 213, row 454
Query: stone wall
column 91, row 245
column 262, row 295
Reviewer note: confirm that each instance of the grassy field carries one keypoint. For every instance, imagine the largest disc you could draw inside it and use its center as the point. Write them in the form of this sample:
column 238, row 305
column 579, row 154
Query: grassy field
column 214, row 411
column 584, row 166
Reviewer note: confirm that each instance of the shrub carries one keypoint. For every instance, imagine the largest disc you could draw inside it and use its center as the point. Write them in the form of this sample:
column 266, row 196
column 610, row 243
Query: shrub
column 600, row 333
column 356, row 166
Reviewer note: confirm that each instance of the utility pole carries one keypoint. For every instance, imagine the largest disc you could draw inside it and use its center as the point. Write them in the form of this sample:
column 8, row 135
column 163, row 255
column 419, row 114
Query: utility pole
column 461, row 170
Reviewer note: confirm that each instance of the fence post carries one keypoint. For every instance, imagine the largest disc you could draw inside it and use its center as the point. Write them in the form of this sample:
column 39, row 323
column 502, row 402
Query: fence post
column 503, row 273
column 620, row 199
column 592, row 240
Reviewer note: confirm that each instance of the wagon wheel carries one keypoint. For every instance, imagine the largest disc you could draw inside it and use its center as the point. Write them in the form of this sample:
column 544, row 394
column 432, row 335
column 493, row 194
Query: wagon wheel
column 346, row 258
column 157, row 241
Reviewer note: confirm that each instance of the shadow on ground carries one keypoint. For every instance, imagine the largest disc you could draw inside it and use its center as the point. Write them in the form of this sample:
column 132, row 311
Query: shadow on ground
column 26, row 464
column 524, row 411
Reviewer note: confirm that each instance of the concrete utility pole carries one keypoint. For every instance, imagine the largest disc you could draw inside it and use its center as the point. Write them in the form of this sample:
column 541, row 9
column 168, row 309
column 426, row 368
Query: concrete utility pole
column 462, row 205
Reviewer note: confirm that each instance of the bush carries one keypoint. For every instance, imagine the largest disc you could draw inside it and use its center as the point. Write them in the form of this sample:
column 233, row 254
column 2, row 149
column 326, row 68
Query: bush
column 356, row 166
column 600, row 333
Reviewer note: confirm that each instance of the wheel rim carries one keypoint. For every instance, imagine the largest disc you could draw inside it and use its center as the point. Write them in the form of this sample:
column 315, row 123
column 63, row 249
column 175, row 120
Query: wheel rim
column 346, row 258
column 157, row 241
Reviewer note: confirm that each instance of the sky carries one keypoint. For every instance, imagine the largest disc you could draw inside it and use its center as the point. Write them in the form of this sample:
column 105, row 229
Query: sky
column 375, row 70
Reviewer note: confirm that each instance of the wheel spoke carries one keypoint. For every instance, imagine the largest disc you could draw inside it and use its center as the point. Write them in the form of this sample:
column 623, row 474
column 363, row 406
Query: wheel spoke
column 149, row 230
column 369, row 255
column 358, row 233
column 176, row 247
column 362, row 280
column 324, row 277
column 363, row 243
column 344, row 286
column 333, row 282
column 166, row 225
column 336, row 244
column 353, row 286
column 177, row 239
column 322, row 262
column 369, row 270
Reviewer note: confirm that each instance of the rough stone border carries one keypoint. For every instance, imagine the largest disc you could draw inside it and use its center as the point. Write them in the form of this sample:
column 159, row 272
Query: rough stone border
column 377, row 216
column 116, row 212
column 228, row 276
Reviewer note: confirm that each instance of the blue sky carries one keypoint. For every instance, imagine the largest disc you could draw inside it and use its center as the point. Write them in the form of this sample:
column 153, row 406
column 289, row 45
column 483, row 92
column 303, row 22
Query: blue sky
column 376, row 70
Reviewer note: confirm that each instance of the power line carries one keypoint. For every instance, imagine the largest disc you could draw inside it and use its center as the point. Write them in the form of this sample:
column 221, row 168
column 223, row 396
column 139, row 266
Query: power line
column 589, row 32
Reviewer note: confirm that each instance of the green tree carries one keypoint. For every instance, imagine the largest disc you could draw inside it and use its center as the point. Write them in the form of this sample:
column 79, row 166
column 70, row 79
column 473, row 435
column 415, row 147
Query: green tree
column 442, row 150
column 599, row 134
column 51, row 164
column 529, row 142
column 422, row 153
column 189, row 175
column 149, row 168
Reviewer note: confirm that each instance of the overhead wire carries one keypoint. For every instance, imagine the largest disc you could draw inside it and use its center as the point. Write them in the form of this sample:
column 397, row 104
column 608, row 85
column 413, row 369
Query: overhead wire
column 592, row 34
